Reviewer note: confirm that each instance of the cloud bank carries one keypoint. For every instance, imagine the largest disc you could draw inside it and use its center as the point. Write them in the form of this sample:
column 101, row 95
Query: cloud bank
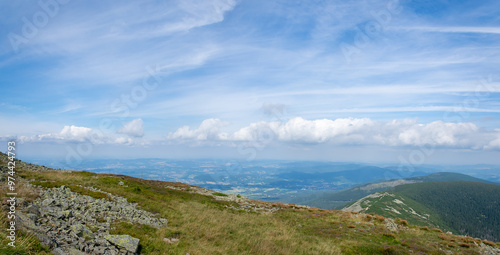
column 348, row 131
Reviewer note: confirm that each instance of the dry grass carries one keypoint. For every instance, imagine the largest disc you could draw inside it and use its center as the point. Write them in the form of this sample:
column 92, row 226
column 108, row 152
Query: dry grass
column 25, row 243
column 402, row 222
column 446, row 237
column 466, row 245
column 490, row 243
column 205, row 226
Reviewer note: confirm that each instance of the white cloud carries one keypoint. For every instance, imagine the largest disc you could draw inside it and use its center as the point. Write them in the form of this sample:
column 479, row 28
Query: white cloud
column 84, row 134
column 298, row 129
column 209, row 129
column 68, row 133
column 494, row 144
column 352, row 131
column 133, row 128
column 123, row 140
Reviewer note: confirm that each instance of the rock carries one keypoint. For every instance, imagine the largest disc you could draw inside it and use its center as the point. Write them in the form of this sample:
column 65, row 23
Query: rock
column 82, row 231
column 164, row 221
column 64, row 219
column 489, row 250
column 391, row 225
column 65, row 214
column 121, row 183
column 124, row 241
column 73, row 251
column 48, row 202
column 45, row 239
column 27, row 220
column 33, row 209
column 22, row 203
column 58, row 251
column 170, row 240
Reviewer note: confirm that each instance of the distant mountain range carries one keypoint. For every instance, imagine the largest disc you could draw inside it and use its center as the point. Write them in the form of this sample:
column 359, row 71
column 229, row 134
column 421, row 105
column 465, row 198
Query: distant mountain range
column 462, row 207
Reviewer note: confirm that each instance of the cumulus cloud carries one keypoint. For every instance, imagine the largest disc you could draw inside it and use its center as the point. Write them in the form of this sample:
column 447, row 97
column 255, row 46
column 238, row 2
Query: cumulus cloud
column 133, row 128
column 68, row 133
column 75, row 133
column 84, row 134
column 209, row 129
column 494, row 144
column 354, row 131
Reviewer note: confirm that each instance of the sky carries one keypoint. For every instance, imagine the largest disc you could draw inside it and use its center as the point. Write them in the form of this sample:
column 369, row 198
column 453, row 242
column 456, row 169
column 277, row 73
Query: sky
column 408, row 82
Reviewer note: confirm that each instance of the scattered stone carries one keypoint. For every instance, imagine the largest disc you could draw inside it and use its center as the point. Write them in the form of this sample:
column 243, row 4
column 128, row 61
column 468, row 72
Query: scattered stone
column 170, row 240
column 489, row 250
column 75, row 224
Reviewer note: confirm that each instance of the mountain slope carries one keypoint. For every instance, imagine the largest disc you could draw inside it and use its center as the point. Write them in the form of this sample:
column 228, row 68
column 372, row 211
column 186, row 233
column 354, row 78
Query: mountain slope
column 200, row 221
column 337, row 200
column 467, row 208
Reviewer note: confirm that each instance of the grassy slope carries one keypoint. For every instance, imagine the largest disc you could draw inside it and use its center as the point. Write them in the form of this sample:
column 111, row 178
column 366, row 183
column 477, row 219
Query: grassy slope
column 337, row 200
column 381, row 206
column 469, row 208
column 206, row 226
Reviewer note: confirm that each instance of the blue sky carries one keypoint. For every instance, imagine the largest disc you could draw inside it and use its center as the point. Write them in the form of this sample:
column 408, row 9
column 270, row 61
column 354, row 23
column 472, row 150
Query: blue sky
column 385, row 80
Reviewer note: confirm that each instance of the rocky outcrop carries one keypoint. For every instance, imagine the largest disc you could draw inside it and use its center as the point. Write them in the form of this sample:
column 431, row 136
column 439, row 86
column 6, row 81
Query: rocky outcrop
column 391, row 225
column 489, row 250
column 72, row 223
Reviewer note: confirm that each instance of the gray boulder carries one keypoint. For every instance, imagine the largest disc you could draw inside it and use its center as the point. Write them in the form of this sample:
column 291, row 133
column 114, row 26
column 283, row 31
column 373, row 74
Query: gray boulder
column 82, row 231
column 124, row 241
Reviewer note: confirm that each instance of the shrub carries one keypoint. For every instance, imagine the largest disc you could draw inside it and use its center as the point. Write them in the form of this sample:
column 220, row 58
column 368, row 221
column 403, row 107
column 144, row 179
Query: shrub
column 402, row 222
column 467, row 239
column 437, row 230
column 465, row 245
column 425, row 228
column 380, row 218
column 388, row 249
column 390, row 235
column 490, row 243
column 445, row 237
column 219, row 194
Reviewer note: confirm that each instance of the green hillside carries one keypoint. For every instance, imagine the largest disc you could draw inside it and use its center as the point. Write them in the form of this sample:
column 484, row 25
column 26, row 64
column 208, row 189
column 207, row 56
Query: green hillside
column 463, row 207
column 470, row 208
column 337, row 200
column 200, row 221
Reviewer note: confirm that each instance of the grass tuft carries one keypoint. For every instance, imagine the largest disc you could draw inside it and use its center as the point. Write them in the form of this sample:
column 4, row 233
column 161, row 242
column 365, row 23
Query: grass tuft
column 219, row 194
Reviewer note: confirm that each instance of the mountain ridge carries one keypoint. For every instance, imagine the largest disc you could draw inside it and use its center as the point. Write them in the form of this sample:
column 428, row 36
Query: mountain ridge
column 339, row 199
column 464, row 207
column 200, row 221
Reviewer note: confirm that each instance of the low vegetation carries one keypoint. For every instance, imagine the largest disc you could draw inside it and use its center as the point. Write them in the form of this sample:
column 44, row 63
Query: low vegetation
column 470, row 208
column 205, row 225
